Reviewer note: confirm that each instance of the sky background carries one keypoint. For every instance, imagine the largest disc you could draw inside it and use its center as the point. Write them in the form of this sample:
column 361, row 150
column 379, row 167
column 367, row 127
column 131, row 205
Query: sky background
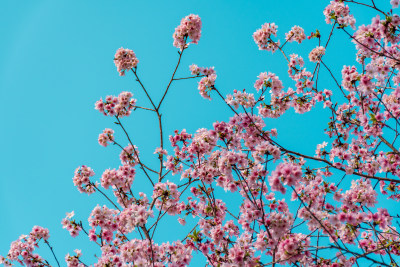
column 56, row 60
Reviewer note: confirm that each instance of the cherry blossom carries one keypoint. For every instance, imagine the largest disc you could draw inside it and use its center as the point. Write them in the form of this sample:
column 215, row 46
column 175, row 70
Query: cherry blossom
column 190, row 27
column 125, row 60
column 235, row 192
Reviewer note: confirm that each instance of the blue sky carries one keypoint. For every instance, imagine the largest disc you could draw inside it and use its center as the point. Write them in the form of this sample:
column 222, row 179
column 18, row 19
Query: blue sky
column 57, row 60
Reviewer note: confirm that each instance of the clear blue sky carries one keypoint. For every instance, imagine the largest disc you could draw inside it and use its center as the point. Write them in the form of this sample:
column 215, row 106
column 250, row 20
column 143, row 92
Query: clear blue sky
column 56, row 60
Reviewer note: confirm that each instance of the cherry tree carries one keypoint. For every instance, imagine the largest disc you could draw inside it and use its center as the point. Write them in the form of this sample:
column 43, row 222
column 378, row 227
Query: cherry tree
column 331, row 224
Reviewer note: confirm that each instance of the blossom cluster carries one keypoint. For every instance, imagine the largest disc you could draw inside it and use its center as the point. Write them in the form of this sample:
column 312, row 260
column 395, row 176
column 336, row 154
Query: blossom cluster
column 106, row 137
column 269, row 80
column 241, row 98
column 81, row 179
column 133, row 216
column 70, row 224
column 121, row 179
column 74, row 261
column 167, row 197
column 22, row 250
column 206, row 84
column 340, row 13
column 104, row 218
column 125, row 60
column 316, row 54
column 288, row 173
column 295, row 34
column 196, row 70
column 137, row 251
column 190, row 27
column 129, row 156
column 262, row 37
column 116, row 106
column 370, row 40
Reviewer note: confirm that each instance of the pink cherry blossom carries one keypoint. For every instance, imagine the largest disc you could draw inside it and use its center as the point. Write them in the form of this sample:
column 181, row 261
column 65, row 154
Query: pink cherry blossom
column 295, row 34
column 316, row 54
column 125, row 60
column 190, row 27
column 262, row 37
